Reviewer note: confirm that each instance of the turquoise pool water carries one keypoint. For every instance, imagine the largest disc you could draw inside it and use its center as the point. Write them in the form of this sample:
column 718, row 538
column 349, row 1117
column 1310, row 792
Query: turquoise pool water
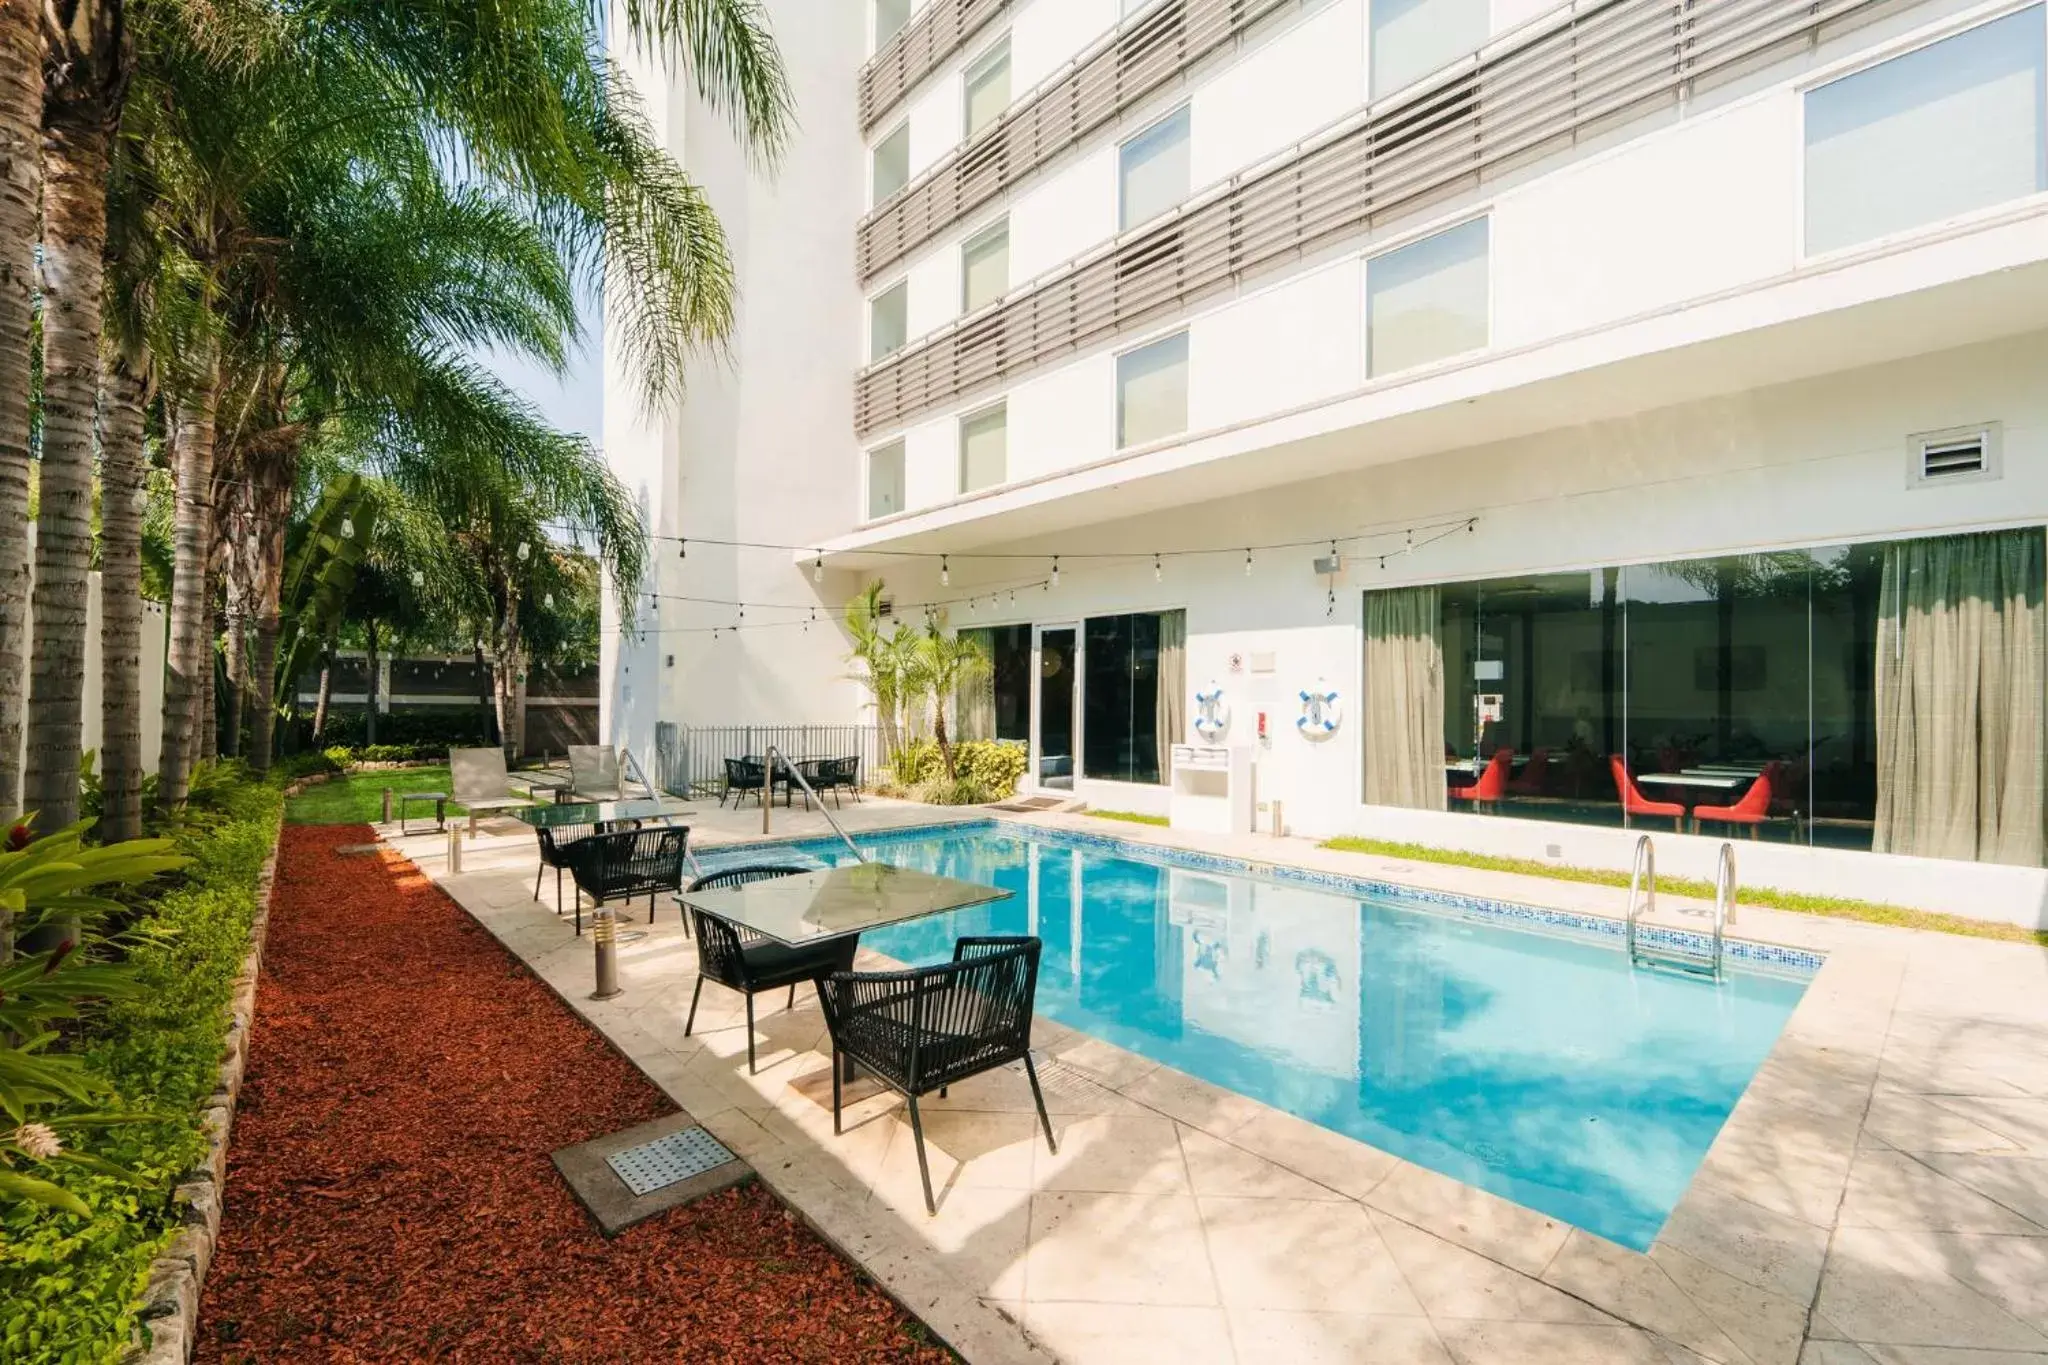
column 1535, row 1064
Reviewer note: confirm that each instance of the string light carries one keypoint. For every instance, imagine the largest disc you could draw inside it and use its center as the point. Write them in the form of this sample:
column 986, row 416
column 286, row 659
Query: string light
column 547, row 601
column 1055, row 571
column 1247, row 561
column 348, row 528
column 524, row 551
column 1158, row 573
column 945, row 573
column 682, row 548
column 818, row 569
column 419, row 580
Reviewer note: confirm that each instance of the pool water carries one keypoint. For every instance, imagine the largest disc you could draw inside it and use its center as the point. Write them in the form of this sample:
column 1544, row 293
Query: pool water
column 1532, row 1063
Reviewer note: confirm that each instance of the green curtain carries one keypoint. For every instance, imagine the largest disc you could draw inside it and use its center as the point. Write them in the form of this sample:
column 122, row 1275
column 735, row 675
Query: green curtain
column 974, row 708
column 1961, row 642
column 1169, row 723
column 1404, row 699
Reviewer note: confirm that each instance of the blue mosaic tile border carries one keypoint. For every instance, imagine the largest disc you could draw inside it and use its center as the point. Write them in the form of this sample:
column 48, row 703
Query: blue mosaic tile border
column 1768, row 956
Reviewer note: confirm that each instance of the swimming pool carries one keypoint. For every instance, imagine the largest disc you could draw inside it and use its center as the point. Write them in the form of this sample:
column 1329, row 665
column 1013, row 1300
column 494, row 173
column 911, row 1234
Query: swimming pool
column 1523, row 1056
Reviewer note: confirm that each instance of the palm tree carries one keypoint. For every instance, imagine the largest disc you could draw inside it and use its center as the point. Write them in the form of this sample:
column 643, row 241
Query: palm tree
column 21, row 111
column 886, row 655
column 944, row 665
column 124, row 395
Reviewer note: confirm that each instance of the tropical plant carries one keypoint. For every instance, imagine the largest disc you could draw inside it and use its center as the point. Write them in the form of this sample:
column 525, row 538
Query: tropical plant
column 21, row 111
column 941, row 667
column 886, row 653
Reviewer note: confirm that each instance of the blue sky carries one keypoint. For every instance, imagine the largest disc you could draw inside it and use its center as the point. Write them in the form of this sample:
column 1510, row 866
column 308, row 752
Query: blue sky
column 574, row 400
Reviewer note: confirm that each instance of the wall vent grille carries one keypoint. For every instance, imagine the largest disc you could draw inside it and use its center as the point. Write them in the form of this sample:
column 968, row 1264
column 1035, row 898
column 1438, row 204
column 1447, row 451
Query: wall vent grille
column 1958, row 455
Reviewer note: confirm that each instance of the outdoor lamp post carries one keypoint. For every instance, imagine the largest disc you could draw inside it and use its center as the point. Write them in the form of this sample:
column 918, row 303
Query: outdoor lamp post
column 604, row 938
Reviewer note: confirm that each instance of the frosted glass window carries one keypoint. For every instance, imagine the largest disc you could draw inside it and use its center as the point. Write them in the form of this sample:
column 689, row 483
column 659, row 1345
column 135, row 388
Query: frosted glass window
column 985, row 267
column 888, row 321
column 1152, row 392
column 892, row 163
column 1153, row 171
column 890, row 17
column 1953, row 127
column 1412, row 38
column 885, row 480
column 1427, row 300
column 988, row 87
column 984, row 448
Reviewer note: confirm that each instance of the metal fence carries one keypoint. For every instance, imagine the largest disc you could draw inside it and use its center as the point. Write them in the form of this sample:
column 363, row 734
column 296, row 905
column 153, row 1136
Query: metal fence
column 690, row 759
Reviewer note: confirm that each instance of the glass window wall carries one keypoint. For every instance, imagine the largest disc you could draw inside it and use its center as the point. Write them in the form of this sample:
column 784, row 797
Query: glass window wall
column 1120, row 698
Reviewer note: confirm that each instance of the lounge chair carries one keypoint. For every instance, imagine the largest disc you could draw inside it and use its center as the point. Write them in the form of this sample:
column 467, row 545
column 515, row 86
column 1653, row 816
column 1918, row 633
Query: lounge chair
column 622, row 865
column 594, row 772
column 744, row 961
column 481, row 783
column 931, row 1027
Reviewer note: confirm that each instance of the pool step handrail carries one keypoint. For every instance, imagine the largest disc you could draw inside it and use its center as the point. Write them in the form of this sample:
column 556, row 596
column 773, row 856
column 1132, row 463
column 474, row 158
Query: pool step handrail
column 1642, row 899
column 775, row 756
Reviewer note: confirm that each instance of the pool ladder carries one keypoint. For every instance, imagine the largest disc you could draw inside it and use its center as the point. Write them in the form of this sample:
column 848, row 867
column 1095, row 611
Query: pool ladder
column 1642, row 899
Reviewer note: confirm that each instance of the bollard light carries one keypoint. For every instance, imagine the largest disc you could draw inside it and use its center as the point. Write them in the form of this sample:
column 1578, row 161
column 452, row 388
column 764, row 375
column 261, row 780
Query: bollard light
column 387, row 805
column 604, row 937
column 454, row 849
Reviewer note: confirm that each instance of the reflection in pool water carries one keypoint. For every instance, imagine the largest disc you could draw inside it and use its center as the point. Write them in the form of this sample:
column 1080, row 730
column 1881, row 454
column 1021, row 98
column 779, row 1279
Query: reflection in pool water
column 1535, row 1065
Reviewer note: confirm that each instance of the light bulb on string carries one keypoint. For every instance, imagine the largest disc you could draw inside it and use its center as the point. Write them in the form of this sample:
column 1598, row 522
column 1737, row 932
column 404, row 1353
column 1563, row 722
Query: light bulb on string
column 1158, row 573
column 348, row 528
column 525, row 551
column 945, row 573
column 1055, row 580
column 547, row 601
column 682, row 548
column 419, row 579
column 1247, row 562
column 818, row 570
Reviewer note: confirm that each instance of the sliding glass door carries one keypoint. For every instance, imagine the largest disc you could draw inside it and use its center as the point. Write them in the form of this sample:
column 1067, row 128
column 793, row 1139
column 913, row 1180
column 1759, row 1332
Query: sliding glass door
column 1055, row 713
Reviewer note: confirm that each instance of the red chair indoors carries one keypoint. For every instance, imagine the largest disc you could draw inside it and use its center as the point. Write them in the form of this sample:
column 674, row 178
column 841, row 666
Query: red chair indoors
column 1753, row 809
column 1492, row 782
column 1633, row 802
column 1530, row 783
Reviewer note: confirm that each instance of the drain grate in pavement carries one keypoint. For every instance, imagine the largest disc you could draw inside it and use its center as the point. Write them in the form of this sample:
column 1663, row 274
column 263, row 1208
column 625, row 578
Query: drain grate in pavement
column 668, row 1160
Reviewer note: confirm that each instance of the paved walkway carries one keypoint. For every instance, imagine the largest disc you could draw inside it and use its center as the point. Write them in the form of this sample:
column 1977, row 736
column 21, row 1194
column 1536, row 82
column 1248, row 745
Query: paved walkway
column 1878, row 1197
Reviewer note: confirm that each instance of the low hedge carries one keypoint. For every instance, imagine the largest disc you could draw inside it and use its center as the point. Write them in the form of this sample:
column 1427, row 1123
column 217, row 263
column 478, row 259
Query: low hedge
column 987, row 770
column 70, row 1288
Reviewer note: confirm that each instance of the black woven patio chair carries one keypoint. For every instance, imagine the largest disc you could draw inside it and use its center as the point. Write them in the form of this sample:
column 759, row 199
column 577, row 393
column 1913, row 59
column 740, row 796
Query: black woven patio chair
column 932, row 1027
column 622, row 865
column 554, row 852
column 741, row 960
column 743, row 775
column 835, row 775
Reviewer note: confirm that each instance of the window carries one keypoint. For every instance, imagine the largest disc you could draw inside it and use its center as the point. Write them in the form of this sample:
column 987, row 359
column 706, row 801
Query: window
column 1120, row 699
column 890, row 18
column 885, row 480
column 1152, row 392
column 1746, row 684
column 892, row 163
column 1427, row 300
column 1953, row 127
column 988, row 87
column 984, row 448
column 1152, row 171
column 888, row 320
column 985, row 267
column 1412, row 38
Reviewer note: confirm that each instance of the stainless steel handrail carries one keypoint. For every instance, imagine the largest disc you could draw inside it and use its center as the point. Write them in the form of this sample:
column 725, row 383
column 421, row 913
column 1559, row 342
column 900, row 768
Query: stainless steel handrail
column 775, row 756
column 1642, row 878
column 1724, row 901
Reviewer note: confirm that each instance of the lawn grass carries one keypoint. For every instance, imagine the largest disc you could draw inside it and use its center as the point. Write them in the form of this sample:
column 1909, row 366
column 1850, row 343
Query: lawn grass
column 358, row 798
column 1130, row 817
column 1799, row 902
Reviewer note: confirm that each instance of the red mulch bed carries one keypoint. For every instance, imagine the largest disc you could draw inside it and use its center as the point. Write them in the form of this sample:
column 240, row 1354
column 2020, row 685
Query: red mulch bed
column 389, row 1193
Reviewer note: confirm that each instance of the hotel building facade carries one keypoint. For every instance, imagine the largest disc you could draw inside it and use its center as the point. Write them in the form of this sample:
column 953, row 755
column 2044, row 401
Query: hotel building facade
column 1524, row 425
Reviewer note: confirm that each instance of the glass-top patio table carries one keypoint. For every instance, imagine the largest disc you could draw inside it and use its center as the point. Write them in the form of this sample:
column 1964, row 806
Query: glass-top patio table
column 602, row 812
column 836, row 901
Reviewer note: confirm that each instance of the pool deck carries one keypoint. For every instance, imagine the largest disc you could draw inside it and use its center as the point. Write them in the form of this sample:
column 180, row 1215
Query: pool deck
column 1878, row 1197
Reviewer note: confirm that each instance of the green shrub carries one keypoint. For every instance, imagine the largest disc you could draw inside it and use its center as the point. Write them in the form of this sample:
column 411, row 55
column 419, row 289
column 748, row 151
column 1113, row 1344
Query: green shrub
column 987, row 770
column 436, row 728
column 69, row 1286
column 295, row 766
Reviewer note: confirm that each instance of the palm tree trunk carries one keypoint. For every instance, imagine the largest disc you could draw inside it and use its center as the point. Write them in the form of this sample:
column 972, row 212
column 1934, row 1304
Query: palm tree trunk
column 121, row 473
column 206, row 746
column 326, row 689
column 273, row 491
column 74, row 243
column 191, row 538
column 21, row 192
column 507, row 670
column 235, row 649
column 370, row 686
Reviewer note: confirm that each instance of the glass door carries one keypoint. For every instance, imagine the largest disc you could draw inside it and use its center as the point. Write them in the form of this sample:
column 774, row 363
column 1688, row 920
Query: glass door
column 1055, row 707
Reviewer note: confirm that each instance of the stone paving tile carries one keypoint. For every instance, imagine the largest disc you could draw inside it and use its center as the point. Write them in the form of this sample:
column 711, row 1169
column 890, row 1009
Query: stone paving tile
column 1749, row 1242
column 1520, row 1238
column 1217, row 1167
column 1453, row 1283
column 1637, row 1289
column 1264, row 1334
column 1303, row 1255
column 1118, row 1334
column 1548, row 1343
column 1119, row 1248
column 1896, row 1190
column 2018, row 1183
column 1899, row 1287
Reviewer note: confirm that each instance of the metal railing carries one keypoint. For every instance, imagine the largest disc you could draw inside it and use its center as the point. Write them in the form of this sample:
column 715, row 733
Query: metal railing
column 1141, row 55
column 690, row 759
column 1642, row 882
column 768, row 804
column 911, row 55
column 1592, row 71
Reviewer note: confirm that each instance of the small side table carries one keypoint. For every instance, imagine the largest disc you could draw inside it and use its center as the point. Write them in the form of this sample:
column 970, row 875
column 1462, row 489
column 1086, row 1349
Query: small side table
column 440, row 800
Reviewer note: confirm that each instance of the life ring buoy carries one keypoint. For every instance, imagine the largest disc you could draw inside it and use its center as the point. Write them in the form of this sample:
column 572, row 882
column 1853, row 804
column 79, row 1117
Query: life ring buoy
column 1322, row 711
column 1212, row 712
